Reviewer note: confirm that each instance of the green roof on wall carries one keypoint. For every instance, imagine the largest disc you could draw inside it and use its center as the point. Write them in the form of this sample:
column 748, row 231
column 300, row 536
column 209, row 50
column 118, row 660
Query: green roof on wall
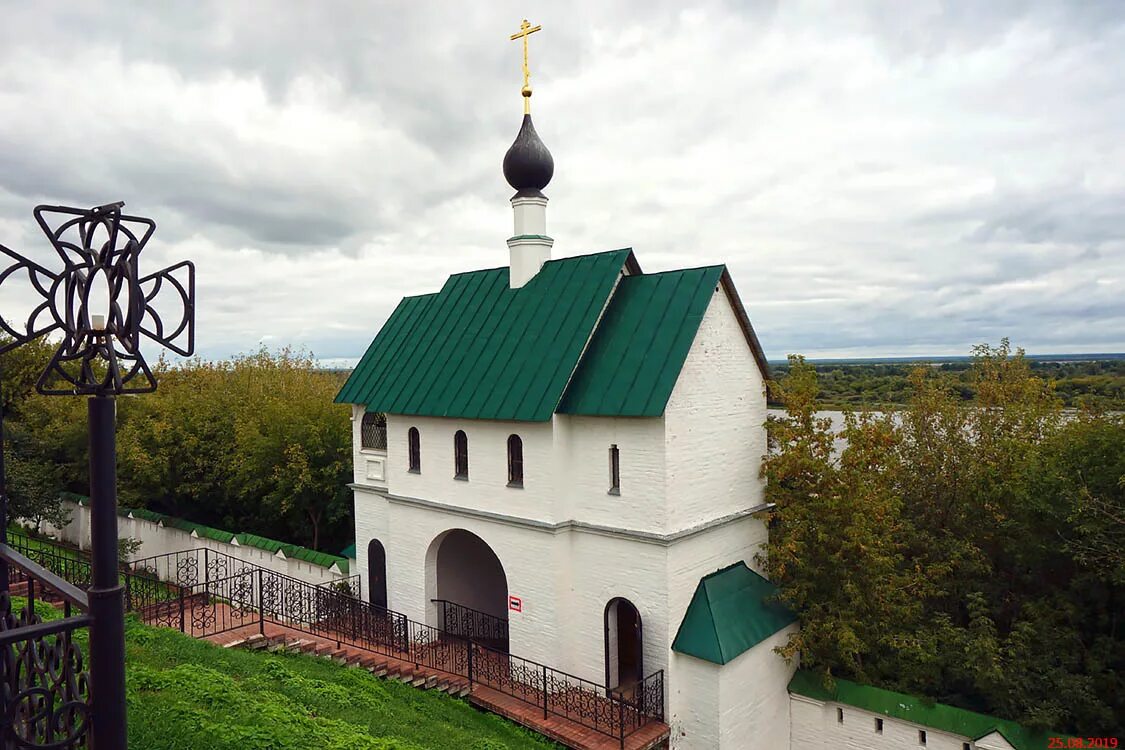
column 917, row 710
column 294, row 551
column 732, row 611
column 635, row 357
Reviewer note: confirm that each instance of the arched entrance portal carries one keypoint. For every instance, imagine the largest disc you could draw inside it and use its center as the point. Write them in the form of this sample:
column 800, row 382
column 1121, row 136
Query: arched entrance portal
column 377, row 573
column 470, row 589
column 624, row 662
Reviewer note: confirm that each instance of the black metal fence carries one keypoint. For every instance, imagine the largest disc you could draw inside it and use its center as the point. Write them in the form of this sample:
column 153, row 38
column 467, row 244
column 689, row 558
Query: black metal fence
column 457, row 619
column 44, row 681
column 204, row 592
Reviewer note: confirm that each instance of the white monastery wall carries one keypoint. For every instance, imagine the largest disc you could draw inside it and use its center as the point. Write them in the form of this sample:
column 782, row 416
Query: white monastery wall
column 159, row 540
column 741, row 704
column 817, row 726
column 693, row 557
column 487, row 486
column 368, row 466
column 714, row 424
column 753, row 696
column 604, row 567
column 371, row 522
column 692, row 711
column 525, row 554
column 584, row 444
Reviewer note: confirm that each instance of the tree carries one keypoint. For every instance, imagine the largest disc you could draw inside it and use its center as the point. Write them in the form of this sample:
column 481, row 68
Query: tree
column 970, row 553
column 254, row 443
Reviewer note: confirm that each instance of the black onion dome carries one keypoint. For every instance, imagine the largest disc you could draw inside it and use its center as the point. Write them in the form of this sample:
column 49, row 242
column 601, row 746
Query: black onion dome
column 528, row 165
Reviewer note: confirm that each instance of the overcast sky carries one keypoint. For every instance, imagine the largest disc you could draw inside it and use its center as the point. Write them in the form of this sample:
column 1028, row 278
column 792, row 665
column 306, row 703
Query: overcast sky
column 882, row 179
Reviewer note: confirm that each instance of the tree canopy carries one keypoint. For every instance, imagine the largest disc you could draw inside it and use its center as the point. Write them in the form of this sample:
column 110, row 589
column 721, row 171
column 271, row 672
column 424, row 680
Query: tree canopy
column 969, row 553
column 253, row 443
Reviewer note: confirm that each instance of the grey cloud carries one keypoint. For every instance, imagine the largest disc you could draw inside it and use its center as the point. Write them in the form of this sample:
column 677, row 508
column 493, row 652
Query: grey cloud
column 879, row 177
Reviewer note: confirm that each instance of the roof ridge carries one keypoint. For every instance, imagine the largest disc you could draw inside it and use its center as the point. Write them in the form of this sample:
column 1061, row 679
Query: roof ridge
column 552, row 260
column 711, row 618
column 708, row 267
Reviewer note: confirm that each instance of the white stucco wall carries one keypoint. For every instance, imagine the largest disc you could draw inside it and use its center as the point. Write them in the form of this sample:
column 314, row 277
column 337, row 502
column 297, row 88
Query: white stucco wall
column 692, row 711
column 714, row 424
column 487, row 486
column 157, row 539
column 741, row 704
column 816, row 726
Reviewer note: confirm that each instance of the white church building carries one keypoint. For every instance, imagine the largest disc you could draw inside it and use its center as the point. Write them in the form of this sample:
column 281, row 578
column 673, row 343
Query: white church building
column 561, row 455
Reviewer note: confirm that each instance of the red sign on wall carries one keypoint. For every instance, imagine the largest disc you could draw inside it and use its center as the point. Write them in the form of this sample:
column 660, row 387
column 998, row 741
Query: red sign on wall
column 515, row 604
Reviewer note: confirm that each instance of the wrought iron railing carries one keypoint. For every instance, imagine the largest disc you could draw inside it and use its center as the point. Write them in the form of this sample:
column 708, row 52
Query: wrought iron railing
column 457, row 619
column 204, row 592
column 44, row 682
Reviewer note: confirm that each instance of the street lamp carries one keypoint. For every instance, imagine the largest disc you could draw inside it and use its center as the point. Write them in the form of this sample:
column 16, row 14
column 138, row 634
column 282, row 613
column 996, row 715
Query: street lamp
column 101, row 307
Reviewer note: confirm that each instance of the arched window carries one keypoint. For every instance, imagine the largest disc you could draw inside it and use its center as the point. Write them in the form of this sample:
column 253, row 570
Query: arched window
column 373, row 431
column 413, row 450
column 515, row 461
column 460, row 455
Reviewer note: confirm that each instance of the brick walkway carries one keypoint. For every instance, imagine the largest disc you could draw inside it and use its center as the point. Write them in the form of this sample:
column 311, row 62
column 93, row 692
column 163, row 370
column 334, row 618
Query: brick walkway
column 278, row 637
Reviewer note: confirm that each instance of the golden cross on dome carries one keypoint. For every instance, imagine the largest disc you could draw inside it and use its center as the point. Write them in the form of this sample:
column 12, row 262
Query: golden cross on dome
column 526, row 29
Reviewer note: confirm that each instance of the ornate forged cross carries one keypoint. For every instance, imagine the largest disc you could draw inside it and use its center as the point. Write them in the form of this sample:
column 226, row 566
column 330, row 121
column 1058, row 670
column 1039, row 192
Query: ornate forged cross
column 526, row 29
column 99, row 302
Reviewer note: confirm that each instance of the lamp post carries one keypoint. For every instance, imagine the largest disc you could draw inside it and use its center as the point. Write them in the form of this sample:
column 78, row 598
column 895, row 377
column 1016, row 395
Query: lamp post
column 100, row 307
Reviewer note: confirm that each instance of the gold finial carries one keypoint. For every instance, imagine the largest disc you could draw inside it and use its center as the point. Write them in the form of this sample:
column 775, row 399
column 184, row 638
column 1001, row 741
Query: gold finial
column 525, row 30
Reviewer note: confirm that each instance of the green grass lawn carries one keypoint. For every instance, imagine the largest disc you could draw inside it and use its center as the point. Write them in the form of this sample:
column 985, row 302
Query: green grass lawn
column 186, row 694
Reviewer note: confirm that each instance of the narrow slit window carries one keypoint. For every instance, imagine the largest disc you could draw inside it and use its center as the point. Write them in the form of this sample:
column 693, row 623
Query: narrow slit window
column 614, row 470
column 414, row 451
column 839, row 716
column 515, row 461
column 460, row 455
column 878, row 726
column 965, row 746
column 921, row 736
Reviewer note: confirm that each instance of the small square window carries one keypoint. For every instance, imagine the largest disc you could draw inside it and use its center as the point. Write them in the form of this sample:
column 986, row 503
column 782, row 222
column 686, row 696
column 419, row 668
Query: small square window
column 878, row 726
column 921, row 736
column 839, row 716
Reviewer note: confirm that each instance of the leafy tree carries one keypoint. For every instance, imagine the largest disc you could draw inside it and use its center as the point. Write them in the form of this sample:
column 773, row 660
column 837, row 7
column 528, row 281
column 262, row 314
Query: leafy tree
column 968, row 553
column 253, row 443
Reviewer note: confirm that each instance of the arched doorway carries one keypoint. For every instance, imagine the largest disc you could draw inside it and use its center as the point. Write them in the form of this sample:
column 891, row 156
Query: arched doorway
column 377, row 573
column 624, row 646
column 469, row 588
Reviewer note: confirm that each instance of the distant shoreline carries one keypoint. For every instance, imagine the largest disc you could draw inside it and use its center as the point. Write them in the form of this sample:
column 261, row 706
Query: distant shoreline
column 952, row 359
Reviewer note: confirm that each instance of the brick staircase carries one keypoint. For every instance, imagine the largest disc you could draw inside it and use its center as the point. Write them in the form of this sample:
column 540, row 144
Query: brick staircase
column 385, row 667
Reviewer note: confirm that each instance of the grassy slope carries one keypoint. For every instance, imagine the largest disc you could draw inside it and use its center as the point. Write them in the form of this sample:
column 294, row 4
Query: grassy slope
column 186, row 694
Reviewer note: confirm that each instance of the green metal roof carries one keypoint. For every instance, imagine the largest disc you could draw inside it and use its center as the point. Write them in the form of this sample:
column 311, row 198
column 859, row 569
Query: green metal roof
column 635, row 358
column 917, row 710
column 294, row 551
column 348, row 551
column 481, row 350
column 733, row 610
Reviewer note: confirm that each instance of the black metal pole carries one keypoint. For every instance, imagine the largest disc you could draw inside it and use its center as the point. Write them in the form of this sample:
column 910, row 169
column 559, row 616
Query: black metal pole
column 107, row 609
column 3, row 495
